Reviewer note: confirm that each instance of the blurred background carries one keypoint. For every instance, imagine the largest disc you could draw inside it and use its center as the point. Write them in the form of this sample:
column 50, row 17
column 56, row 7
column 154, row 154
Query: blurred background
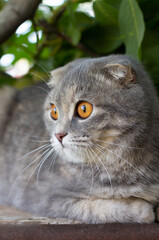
column 36, row 38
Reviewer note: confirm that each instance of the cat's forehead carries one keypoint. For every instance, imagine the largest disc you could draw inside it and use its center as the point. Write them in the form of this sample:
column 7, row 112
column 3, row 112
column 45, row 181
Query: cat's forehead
column 88, row 77
column 73, row 81
column 85, row 72
column 71, row 88
column 73, row 73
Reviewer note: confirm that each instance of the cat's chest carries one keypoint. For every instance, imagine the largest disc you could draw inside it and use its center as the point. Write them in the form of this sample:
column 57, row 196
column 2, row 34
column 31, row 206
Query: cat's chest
column 96, row 181
column 101, row 176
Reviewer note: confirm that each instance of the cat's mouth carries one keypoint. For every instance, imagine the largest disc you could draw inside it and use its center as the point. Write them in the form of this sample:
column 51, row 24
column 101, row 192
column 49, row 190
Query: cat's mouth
column 72, row 148
column 68, row 152
column 70, row 143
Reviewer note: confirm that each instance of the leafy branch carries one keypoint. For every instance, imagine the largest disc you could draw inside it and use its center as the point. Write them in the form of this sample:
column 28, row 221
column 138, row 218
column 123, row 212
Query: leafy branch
column 51, row 30
column 68, row 32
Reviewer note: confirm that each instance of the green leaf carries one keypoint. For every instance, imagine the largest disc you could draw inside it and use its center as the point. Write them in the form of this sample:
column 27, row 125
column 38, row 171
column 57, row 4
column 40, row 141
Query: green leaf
column 21, row 48
column 19, row 52
column 67, row 24
column 106, row 11
column 66, row 55
column 151, row 38
column 1, row 52
column 83, row 21
column 107, row 38
column 2, row 4
column 52, row 47
column 74, row 34
column 73, row 31
column 6, row 79
column 132, row 26
column 149, row 8
column 151, row 60
column 82, row 1
column 47, row 65
column 101, row 39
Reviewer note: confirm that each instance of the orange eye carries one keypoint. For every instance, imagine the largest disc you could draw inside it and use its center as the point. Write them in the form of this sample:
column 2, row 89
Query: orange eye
column 54, row 112
column 84, row 109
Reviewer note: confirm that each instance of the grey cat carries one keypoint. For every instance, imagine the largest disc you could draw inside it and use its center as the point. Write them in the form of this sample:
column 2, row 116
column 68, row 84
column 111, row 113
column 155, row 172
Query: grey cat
column 100, row 161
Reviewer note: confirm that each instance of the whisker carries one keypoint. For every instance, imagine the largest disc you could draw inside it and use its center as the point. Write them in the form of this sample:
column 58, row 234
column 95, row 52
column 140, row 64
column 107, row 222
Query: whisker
column 38, row 64
column 115, row 144
column 123, row 160
column 92, row 181
column 97, row 167
column 41, row 163
column 33, row 172
column 35, row 136
column 39, row 141
column 104, row 167
column 35, row 150
column 40, row 77
column 81, row 168
column 41, row 88
column 19, row 175
column 51, row 166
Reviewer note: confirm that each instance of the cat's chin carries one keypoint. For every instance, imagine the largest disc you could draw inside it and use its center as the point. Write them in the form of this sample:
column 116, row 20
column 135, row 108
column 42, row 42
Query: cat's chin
column 68, row 154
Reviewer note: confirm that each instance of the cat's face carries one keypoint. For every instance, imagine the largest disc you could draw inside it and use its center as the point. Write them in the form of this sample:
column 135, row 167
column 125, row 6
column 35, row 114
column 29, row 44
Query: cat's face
column 90, row 106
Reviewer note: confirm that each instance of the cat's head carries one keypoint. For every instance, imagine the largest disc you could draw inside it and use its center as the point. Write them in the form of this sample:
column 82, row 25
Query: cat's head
column 92, row 104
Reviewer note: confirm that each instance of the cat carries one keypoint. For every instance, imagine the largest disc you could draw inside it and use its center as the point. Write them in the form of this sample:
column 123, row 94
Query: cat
column 97, row 159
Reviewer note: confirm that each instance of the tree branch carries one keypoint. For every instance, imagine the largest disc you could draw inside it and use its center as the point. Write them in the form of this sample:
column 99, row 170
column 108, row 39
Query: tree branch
column 52, row 29
column 14, row 14
column 79, row 45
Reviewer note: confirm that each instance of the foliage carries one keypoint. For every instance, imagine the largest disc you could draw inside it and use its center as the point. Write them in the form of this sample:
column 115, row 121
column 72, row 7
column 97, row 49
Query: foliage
column 68, row 32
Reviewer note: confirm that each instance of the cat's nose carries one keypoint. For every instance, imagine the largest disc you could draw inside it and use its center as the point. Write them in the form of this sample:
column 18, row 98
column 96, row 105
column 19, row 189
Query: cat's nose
column 60, row 136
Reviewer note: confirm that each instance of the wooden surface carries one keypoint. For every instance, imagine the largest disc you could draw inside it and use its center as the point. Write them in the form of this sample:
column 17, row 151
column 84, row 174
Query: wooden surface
column 10, row 215
column 34, row 231
column 18, row 225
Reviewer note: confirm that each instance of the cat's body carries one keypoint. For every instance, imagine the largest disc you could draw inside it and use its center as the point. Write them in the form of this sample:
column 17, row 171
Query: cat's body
column 101, row 168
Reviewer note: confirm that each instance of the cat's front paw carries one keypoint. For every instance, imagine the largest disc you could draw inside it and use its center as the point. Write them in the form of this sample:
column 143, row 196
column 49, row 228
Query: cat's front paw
column 111, row 211
column 143, row 212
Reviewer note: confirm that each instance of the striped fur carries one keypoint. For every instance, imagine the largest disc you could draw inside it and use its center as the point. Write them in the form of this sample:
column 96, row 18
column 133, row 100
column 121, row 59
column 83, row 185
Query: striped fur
column 107, row 167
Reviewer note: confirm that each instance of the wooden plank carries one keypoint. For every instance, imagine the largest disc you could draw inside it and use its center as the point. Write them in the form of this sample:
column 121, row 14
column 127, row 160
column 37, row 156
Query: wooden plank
column 19, row 225
column 79, row 231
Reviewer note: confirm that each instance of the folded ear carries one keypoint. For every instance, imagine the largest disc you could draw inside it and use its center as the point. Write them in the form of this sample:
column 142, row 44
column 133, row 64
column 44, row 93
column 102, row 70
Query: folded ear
column 122, row 73
column 56, row 75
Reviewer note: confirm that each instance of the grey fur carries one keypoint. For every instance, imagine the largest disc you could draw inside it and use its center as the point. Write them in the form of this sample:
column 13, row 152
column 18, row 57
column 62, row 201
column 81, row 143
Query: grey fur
column 107, row 170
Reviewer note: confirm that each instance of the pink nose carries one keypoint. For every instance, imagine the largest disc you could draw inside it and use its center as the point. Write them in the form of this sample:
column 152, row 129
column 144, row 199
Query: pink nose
column 60, row 136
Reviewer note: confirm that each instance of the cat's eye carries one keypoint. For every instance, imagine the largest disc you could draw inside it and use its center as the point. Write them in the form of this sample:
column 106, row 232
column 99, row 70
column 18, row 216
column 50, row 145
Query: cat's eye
column 54, row 112
column 84, row 109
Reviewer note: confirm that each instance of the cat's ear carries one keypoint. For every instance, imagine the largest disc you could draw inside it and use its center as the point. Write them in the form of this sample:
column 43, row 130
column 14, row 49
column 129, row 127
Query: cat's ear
column 122, row 73
column 56, row 75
